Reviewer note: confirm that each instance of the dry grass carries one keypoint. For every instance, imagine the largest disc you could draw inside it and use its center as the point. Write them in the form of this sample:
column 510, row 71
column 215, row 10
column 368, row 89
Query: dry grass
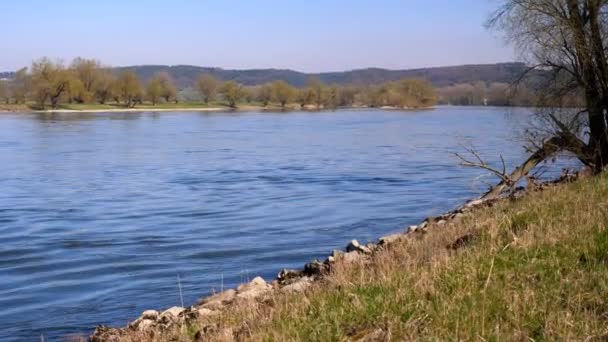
column 531, row 269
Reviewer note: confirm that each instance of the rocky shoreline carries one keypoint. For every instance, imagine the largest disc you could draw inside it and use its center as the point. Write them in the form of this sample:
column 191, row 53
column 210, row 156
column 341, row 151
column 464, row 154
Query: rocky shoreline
column 153, row 323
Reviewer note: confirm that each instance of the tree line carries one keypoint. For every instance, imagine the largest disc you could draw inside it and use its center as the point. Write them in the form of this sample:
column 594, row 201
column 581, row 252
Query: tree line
column 48, row 83
column 408, row 93
column 84, row 81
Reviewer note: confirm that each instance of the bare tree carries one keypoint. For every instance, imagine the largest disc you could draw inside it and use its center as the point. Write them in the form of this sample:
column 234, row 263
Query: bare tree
column 129, row 88
column 154, row 90
column 318, row 89
column 306, row 96
column 207, row 86
column 168, row 89
column 566, row 41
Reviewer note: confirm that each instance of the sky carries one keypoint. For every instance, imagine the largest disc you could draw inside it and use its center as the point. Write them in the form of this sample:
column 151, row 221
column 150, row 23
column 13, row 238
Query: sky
column 304, row 35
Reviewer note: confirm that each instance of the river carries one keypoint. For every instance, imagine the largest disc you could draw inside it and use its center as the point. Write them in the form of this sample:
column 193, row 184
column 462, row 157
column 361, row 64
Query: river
column 105, row 215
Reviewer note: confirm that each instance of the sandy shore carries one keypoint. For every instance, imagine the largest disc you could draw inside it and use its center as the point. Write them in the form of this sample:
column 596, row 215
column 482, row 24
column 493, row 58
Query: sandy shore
column 245, row 108
column 137, row 110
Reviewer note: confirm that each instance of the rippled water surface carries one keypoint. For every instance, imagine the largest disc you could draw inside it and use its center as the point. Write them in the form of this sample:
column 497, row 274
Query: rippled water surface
column 100, row 213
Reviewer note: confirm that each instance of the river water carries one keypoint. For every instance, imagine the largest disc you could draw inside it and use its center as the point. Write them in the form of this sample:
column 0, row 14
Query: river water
column 102, row 215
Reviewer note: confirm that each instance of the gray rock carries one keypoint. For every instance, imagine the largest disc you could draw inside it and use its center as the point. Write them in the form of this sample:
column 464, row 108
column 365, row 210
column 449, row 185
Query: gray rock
column 355, row 246
column 174, row 311
column 315, row 268
column 256, row 283
column 299, row 286
column 335, row 255
column 171, row 315
column 253, row 289
column 150, row 314
column 286, row 275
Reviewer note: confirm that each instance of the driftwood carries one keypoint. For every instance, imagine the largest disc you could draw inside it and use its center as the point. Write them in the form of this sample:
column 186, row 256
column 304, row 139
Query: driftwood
column 508, row 181
column 549, row 148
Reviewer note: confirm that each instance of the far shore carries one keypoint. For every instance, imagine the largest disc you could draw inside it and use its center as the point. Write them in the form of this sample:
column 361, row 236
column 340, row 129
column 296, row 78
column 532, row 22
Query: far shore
column 186, row 108
column 138, row 110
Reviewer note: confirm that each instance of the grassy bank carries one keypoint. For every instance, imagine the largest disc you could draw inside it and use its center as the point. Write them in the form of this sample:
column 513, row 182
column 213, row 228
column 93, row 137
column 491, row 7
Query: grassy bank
column 530, row 269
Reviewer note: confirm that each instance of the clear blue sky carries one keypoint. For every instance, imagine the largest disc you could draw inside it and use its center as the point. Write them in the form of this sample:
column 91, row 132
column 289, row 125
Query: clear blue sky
column 306, row 35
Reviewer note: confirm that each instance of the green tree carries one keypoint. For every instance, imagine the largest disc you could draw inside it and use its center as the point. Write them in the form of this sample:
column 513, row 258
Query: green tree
column 87, row 72
column 50, row 81
column 232, row 93
column 76, row 91
column 248, row 94
column 154, row 90
column 265, row 94
column 282, row 92
column 105, row 87
column 306, row 96
column 414, row 93
column 207, row 86
column 318, row 88
column 169, row 91
column 129, row 88
column 348, row 95
column 332, row 97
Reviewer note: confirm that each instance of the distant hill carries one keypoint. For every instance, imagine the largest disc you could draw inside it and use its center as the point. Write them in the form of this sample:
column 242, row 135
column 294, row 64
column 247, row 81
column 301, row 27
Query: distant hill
column 185, row 75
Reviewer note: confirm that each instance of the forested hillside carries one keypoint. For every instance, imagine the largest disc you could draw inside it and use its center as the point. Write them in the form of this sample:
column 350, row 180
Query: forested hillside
column 185, row 75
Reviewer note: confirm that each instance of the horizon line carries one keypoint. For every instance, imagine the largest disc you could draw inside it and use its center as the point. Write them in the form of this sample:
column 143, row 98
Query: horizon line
column 298, row 71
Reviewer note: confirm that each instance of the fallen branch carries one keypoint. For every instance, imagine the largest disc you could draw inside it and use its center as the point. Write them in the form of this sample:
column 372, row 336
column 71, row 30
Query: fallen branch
column 483, row 165
column 549, row 148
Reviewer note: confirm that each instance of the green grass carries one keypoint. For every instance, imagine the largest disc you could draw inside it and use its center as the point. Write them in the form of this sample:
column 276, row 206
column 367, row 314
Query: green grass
column 536, row 271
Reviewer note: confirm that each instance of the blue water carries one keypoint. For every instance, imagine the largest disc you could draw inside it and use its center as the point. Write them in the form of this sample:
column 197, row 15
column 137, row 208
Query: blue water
column 100, row 213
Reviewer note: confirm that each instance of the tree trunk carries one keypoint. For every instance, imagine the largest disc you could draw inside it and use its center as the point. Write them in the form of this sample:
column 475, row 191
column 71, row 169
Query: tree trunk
column 591, row 62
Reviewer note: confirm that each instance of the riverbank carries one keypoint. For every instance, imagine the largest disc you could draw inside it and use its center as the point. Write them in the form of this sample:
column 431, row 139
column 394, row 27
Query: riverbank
column 184, row 107
column 98, row 108
column 529, row 268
